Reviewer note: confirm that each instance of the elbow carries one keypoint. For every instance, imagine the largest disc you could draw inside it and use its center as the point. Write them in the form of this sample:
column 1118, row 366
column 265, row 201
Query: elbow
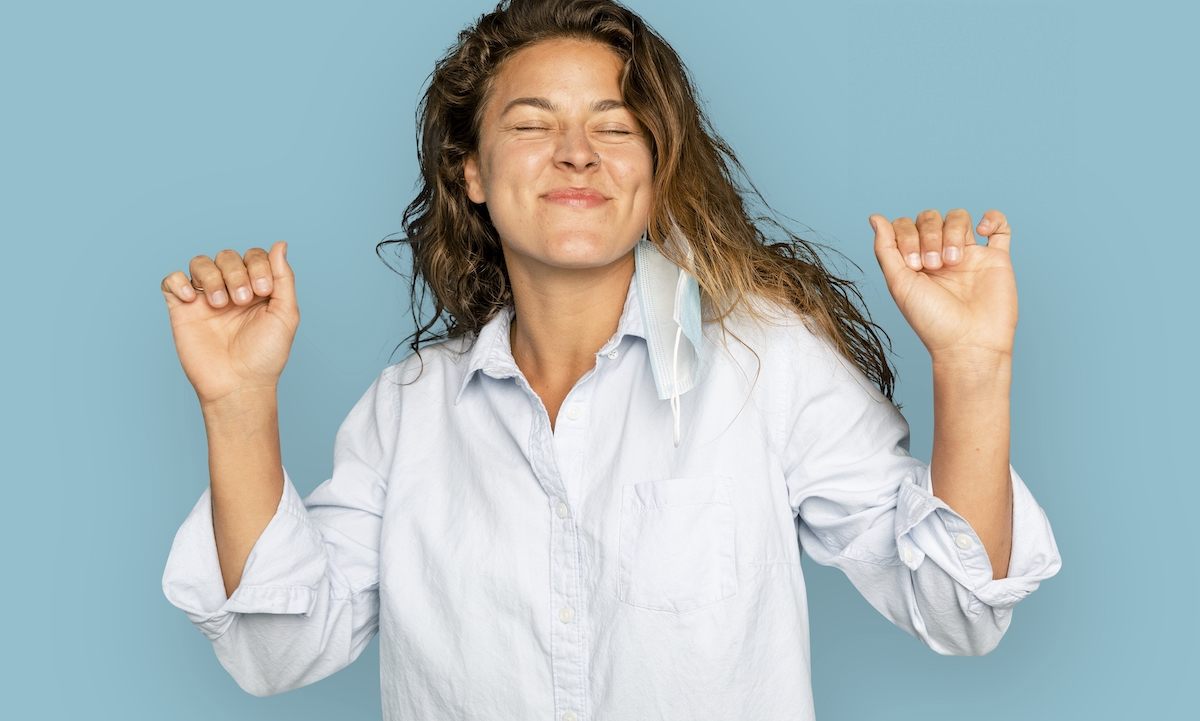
column 971, row 634
column 262, row 686
column 258, row 687
column 258, row 681
column 974, row 646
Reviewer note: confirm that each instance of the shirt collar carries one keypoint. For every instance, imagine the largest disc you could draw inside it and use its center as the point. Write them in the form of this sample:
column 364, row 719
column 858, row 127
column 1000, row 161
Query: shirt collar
column 491, row 352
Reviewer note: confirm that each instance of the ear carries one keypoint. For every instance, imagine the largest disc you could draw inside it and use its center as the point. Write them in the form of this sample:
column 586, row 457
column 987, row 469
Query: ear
column 474, row 182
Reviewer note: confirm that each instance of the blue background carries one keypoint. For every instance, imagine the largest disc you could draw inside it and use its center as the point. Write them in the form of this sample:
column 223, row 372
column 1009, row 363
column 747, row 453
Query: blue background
column 136, row 135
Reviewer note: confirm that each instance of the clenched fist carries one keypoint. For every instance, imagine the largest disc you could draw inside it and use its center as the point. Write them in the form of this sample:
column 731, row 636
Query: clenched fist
column 234, row 320
column 959, row 297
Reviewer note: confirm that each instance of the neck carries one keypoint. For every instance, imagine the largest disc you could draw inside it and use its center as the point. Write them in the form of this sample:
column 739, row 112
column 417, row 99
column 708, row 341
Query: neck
column 563, row 317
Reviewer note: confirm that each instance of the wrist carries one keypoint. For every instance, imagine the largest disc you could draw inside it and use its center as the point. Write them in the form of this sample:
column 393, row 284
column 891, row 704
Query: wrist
column 971, row 361
column 973, row 373
column 241, row 403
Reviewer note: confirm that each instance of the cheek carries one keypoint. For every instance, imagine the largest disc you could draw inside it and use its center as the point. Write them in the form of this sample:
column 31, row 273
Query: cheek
column 636, row 176
column 510, row 170
column 635, row 167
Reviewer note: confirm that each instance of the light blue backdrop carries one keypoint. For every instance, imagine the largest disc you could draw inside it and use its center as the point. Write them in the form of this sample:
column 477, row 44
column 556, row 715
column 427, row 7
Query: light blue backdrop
column 135, row 135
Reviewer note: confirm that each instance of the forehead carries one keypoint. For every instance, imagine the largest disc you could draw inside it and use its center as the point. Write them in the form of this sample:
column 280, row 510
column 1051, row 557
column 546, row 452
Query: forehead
column 561, row 70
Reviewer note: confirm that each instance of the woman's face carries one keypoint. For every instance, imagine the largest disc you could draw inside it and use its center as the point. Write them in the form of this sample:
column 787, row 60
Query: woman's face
column 564, row 168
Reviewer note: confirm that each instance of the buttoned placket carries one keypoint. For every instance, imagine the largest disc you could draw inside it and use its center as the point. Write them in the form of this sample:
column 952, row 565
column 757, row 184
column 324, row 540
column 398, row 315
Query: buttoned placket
column 559, row 461
column 556, row 457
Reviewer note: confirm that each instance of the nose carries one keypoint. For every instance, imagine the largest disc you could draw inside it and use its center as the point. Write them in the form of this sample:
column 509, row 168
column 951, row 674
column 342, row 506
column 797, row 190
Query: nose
column 575, row 151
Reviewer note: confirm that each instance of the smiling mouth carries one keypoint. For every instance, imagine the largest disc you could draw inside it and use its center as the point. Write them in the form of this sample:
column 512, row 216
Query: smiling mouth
column 576, row 197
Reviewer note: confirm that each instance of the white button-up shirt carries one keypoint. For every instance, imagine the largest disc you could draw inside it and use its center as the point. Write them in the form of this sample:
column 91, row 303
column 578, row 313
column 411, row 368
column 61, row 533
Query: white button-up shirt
column 596, row 570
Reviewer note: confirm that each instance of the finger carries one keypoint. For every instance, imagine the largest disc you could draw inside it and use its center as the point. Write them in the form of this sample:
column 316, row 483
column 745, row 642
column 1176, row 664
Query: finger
column 206, row 275
column 929, row 225
column 994, row 227
column 283, row 295
column 177, row 286
column 237, row 280
column 258, row 266
column 886, row 251
column 956, row 234
column 908, row 241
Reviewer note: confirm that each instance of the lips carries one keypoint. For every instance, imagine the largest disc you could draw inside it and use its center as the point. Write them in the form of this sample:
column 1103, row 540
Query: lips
column 575, row 197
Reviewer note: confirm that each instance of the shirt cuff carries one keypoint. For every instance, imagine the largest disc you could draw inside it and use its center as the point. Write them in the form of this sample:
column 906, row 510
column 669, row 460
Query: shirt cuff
column 281, row 574
column 927, row 528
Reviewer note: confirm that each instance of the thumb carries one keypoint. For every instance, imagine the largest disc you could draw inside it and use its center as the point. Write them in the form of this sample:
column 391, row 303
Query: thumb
column 283, row 294
column 887, row 252
column 994, row 226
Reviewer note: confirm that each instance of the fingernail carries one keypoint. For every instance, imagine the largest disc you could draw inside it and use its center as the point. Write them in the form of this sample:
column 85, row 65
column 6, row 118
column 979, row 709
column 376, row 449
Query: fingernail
column 187, row 292
column 872, row 222
column 263, row 285
column 218, row 297
column 932, row 259
column 242, row 294
column 952, row 253
column 914, row 261
column 983, row 225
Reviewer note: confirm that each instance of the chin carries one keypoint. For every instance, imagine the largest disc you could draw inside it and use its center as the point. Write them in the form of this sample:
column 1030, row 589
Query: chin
column 584, row 249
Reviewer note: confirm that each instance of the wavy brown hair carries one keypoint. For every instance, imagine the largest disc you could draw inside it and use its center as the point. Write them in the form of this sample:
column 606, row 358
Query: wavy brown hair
column 701, row 190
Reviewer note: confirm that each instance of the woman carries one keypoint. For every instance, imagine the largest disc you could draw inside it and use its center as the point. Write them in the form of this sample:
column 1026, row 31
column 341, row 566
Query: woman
column 589, row 499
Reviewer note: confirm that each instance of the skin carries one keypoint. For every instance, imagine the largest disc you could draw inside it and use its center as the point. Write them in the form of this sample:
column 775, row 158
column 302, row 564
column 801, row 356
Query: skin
column 961, row 299
column 566, row 173
column 555, row 124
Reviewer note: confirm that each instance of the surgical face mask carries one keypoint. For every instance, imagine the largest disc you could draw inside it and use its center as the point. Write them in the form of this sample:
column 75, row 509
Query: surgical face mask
column 670, row 299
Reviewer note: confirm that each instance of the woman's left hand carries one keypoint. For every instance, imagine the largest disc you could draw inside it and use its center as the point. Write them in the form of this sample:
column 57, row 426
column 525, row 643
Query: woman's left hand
column 959, row 297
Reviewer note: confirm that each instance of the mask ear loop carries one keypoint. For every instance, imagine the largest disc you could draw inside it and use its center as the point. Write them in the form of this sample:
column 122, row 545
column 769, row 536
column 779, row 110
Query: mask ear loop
column 675, row 383
column 680, row 287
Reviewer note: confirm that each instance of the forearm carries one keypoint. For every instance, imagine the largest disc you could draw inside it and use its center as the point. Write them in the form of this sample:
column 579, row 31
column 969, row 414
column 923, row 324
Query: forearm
column 970, row 468
column 245, row 474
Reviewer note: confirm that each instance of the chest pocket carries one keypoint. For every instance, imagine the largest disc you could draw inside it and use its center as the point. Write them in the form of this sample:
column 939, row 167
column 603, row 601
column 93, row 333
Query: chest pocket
column 677, row 548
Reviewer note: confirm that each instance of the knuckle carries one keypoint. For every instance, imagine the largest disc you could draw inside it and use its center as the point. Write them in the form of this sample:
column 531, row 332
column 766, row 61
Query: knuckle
column 228, row 256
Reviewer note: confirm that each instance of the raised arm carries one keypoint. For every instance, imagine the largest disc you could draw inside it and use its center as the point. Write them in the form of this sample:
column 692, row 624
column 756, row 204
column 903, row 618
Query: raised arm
column 961, row 299
column 233, row 344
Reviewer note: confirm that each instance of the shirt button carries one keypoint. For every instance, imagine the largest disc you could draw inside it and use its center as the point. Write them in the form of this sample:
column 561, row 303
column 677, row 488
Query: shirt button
column 568, row 716
column 562, row 510
column 565, row 614
column 908, row 554
column 573, row 412
column 612, row 354
column 963, row 541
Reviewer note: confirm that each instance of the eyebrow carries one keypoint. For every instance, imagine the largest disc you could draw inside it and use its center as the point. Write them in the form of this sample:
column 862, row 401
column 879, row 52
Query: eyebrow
column 599, row 106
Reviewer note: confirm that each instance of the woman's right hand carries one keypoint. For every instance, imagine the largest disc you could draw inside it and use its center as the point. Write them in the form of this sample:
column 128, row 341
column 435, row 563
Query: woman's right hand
column 235, row 334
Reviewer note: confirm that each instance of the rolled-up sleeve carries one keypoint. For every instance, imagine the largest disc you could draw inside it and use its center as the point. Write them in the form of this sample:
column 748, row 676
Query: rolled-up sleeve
column 281, row 576
column 865, row 506
column 926, row 528
column 308, row 600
